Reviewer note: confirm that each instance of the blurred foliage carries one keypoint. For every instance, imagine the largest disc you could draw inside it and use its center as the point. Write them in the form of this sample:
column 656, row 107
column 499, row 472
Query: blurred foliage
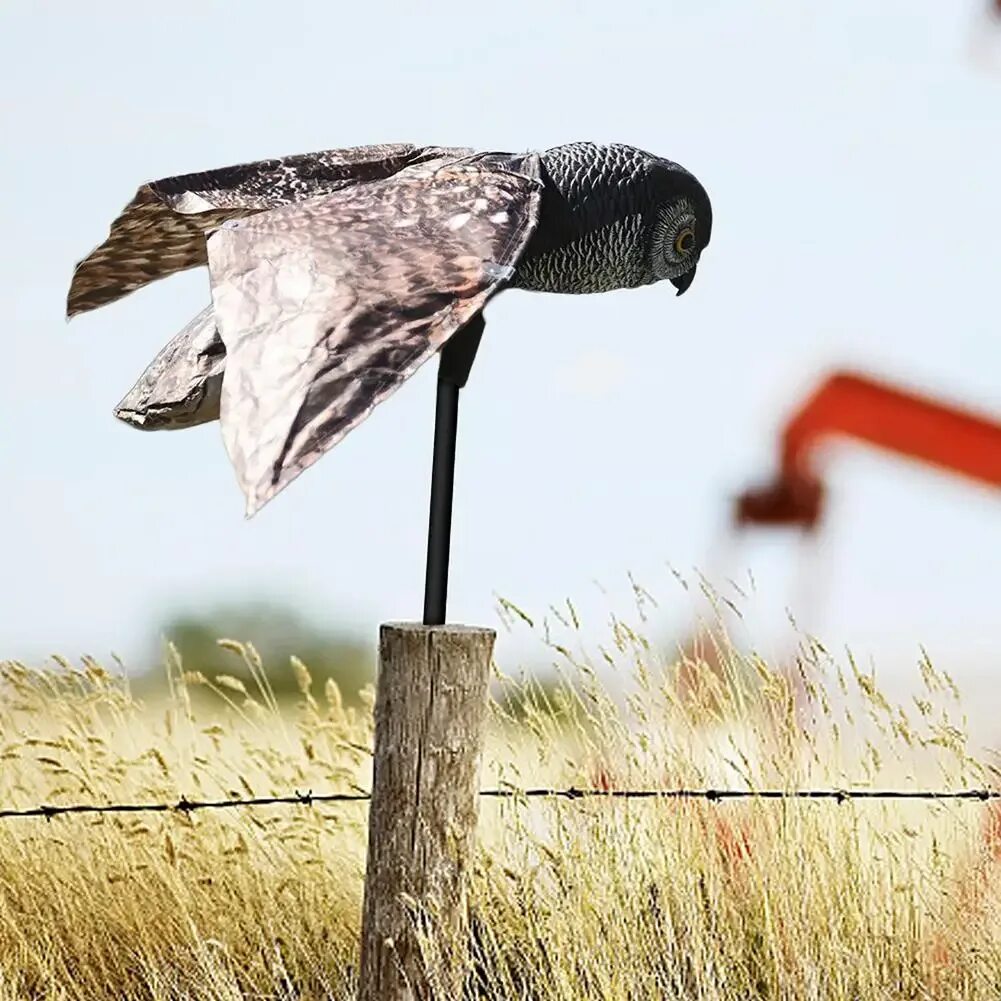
column 533, row 693
column 277, row 633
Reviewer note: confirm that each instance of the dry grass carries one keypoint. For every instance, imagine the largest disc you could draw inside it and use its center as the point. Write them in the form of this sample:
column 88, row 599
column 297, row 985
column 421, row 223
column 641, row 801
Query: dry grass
column 597, row 899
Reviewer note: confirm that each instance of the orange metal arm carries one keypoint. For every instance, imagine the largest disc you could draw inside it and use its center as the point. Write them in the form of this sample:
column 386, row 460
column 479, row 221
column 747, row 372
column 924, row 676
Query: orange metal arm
column 897, row 420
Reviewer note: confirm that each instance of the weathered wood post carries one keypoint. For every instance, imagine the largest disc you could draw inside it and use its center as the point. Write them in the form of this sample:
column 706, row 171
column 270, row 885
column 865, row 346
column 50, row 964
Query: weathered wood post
column 430, row 716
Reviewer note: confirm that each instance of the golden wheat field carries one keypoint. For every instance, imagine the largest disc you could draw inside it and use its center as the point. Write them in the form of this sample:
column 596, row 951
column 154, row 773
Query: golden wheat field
column 586, row 899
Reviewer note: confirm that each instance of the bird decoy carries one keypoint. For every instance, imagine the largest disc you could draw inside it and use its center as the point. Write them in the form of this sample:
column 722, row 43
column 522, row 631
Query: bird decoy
column 336, row 275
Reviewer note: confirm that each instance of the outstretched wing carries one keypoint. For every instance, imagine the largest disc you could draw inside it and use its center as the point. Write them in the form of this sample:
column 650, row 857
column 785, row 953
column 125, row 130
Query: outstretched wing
column 326, row 307
column 181, row 387
column 163, row 229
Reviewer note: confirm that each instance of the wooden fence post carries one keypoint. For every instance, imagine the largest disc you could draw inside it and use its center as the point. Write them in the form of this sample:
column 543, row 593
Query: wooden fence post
column 430, row 716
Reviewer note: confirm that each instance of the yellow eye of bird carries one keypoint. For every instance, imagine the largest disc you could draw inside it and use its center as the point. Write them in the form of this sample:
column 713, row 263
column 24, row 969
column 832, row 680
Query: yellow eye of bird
column 684, row 241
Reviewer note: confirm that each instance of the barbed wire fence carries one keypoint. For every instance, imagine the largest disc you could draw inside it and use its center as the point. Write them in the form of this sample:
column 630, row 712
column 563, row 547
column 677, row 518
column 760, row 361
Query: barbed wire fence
column 185, row 806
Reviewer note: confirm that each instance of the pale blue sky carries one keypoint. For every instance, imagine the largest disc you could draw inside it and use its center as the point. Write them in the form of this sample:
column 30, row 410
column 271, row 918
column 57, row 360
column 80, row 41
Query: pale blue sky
column 852, row 152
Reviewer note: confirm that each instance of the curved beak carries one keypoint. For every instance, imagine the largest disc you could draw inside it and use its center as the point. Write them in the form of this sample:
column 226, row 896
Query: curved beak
column 683, row 282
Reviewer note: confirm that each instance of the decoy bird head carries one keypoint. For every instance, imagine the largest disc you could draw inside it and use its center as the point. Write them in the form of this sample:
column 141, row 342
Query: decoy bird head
column 683, row 223
column 612, row 217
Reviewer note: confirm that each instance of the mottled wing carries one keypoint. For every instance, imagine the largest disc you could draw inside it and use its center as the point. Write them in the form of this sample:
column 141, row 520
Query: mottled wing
column 163, row 229
column 325, row 308
column 182, row 385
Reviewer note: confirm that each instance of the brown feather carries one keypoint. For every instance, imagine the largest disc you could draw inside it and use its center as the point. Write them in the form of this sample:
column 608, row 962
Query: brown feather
column 163, row 229
column 326, row 307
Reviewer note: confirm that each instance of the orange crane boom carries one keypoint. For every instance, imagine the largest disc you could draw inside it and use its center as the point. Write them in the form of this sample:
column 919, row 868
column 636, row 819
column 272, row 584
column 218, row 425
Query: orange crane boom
column 901, row 421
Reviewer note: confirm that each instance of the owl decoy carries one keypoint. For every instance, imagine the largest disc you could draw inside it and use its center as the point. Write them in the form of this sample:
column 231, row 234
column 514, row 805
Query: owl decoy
column 335, row 275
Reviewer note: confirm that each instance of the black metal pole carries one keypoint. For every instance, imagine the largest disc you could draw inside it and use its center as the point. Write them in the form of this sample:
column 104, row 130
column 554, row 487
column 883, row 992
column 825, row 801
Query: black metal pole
column 455, row 361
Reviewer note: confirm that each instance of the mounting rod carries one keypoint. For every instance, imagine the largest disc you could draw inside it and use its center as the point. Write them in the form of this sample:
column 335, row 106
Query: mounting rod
column 455, row 362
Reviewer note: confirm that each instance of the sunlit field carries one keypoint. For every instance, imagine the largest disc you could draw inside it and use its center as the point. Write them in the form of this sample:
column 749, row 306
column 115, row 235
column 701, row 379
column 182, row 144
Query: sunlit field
column 571, row 899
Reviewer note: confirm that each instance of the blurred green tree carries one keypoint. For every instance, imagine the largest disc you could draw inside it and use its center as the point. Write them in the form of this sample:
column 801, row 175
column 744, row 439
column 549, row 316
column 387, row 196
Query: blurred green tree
column 277, row 633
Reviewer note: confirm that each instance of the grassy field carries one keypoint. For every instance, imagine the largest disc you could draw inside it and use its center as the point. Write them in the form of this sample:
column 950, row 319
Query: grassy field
column 571, row 900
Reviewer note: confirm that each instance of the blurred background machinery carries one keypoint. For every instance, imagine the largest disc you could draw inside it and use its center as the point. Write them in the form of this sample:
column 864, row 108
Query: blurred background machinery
column 846, row 407
column 853, row 406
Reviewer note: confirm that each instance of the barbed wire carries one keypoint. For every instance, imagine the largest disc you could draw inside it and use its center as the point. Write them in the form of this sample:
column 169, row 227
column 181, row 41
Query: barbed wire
column 186, row 806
